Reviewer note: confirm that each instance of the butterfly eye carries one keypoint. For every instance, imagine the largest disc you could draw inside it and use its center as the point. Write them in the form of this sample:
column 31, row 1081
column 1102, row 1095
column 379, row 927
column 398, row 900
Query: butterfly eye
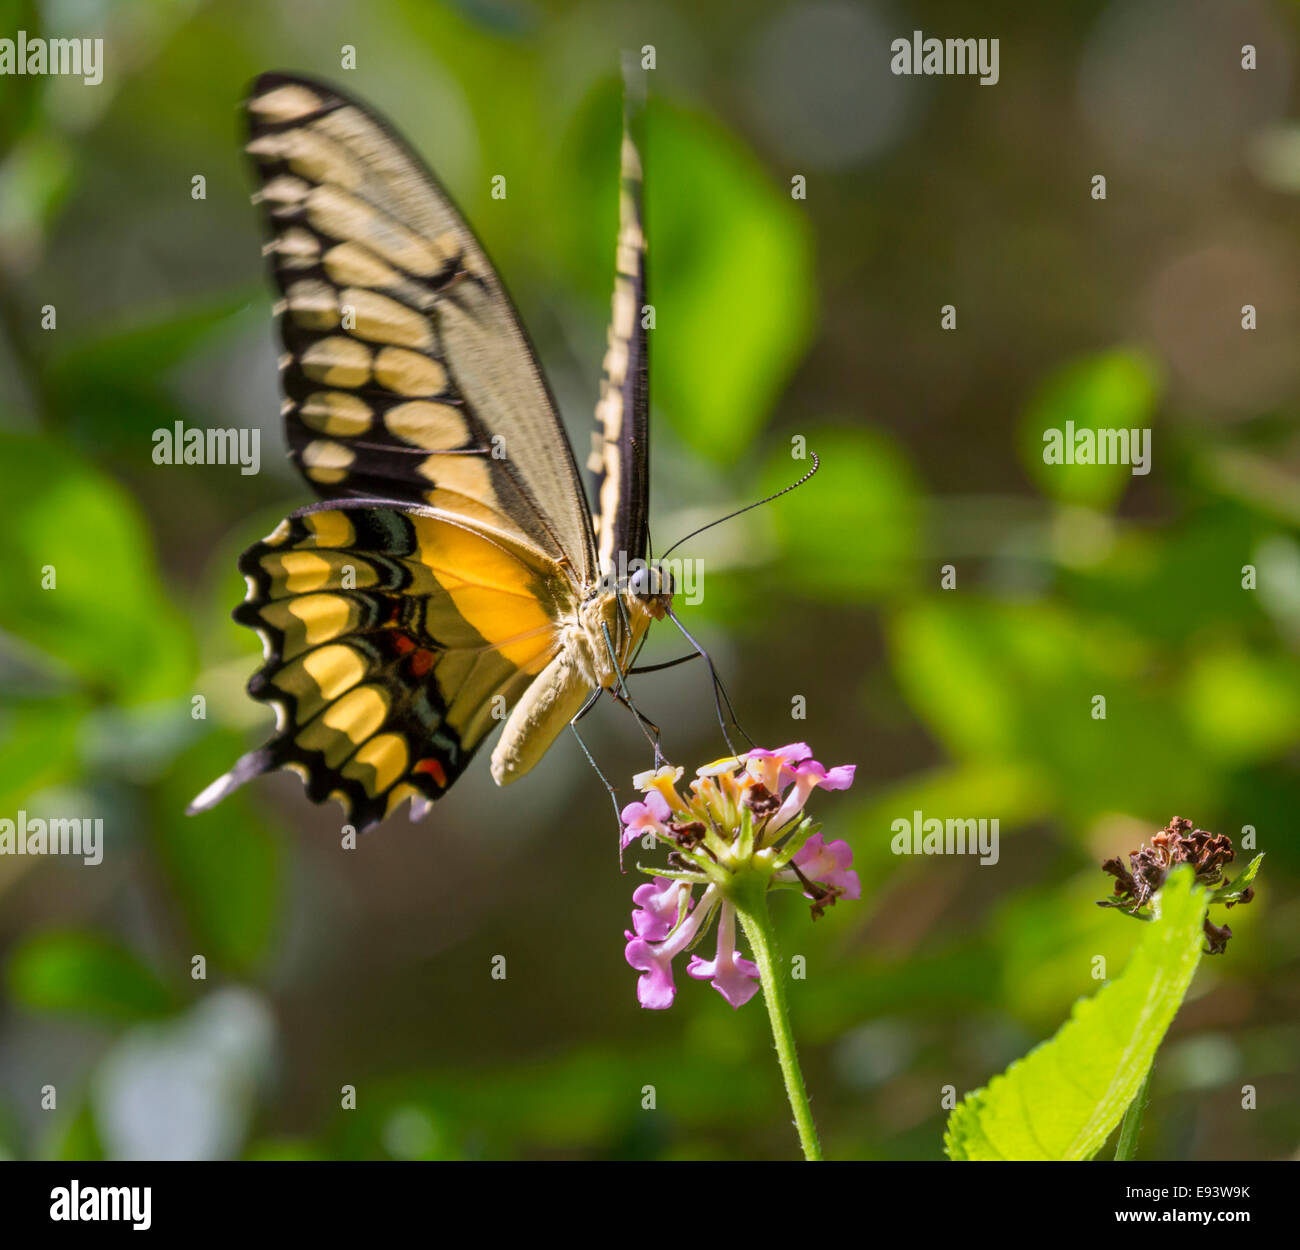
column 650, row 581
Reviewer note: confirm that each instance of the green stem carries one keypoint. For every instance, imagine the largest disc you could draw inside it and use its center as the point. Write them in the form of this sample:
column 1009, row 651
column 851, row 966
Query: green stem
column 1132, row 1125
column 758, row 931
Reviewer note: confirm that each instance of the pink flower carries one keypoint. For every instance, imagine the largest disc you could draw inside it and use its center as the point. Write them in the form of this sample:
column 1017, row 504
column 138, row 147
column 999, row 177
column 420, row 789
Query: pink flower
column 655, row 989
column 740, row 834
column 831, row 865
column 736, row 979
column 809, row 776
column 642, row 818
column 654, row 959
column 658, row 906
column 773, row 769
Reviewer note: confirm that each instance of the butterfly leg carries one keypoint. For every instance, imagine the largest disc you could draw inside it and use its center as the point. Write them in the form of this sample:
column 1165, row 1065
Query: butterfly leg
column 648, row 727
column 604, row 781
column 653, row 731
column 718, row 689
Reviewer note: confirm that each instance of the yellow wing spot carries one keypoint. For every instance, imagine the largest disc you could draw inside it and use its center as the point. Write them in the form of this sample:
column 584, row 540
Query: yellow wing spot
column 296, row 248
column 336, row 412
column 345, row 725
column 350, row 264
column 383, row 320
column 285, row 103
column 386, row 754
column 313, row 303
column 330, row 528
column 609, row 412
column 466, row 475
column 629, row 159
column 300, row 571
column 283, row 191
column 435, row 427
column 609, row 491
column 311, row 154
column 448, row 246
column 399, row 795
column 409, row 373
column 321, row 617
column 326, row 461
column 334, row 669
column 336, row 213
column 623, row 321
column 337, row 361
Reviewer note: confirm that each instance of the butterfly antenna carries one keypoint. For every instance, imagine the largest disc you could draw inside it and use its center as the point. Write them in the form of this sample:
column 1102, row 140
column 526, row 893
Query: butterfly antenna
column 785, row 490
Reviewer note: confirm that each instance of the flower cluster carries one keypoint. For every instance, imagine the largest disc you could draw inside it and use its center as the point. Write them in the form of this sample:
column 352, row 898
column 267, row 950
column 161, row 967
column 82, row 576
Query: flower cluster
column 740, row 832
column 1179, row 842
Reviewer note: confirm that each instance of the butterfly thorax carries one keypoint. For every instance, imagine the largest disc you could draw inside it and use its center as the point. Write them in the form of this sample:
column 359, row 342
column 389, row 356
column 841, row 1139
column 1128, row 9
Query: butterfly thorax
column 614, row 619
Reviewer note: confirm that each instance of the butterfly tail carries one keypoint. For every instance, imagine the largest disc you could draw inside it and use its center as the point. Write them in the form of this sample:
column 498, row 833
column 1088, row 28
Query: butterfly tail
column 254, row 764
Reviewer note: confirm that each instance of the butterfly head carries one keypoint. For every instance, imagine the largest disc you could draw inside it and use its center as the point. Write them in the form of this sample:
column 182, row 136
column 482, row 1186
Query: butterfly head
column 652, row 586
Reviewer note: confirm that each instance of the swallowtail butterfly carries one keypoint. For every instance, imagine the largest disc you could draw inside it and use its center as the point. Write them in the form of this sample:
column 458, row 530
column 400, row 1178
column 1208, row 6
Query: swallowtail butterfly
column 453, row 573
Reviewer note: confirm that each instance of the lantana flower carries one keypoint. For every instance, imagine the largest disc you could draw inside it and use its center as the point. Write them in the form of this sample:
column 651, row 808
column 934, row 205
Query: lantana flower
column 738, row 833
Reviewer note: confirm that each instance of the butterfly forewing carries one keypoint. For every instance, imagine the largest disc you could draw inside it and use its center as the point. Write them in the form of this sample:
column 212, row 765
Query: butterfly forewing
column 441, row 583
column 407, row 375
column 619, row 463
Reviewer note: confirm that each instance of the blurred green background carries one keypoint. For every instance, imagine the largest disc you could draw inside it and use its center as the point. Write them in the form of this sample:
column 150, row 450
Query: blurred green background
column 776, row 317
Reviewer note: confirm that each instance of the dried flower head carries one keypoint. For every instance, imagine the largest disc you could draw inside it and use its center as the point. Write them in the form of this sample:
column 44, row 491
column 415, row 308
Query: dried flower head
column 1179, row 842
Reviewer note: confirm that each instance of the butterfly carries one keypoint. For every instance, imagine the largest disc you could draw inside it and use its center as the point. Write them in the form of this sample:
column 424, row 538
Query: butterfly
column 453, row 575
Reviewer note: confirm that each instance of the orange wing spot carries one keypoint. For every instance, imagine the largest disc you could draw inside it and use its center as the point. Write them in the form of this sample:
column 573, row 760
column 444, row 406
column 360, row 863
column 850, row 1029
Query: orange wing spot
column 434, row 769
column 422, row 662
column 403, row 644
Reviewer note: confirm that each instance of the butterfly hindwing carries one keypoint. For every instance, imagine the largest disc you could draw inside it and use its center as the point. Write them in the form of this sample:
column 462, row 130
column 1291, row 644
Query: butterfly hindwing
column 407, row 375
column 395, row 640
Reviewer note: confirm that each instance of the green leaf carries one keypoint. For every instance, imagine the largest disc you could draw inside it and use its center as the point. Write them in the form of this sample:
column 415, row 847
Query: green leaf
column 85, row 974
column 38, row 744
column 729, row 263
column 1231, row 891
column 114, row 385
column 1114, row 390
column 730, row 272
column 1241, row 706
column 852, row 533
column 1064, row 1098
column 226, row 866
column 81, row 584
column 987, row 677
